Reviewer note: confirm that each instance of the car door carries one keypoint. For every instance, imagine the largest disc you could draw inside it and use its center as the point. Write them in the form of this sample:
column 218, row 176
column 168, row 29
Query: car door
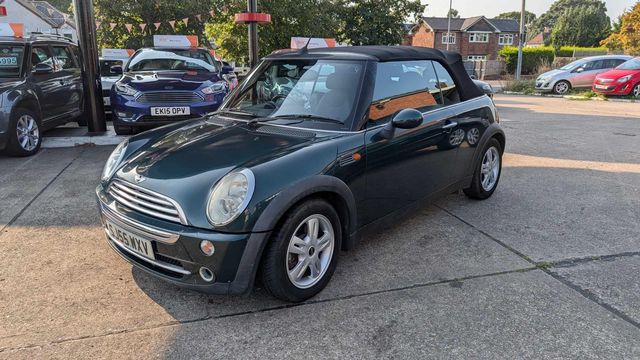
column 585, row 77
column 69, row 76
column 46, row 84
column 414, row 162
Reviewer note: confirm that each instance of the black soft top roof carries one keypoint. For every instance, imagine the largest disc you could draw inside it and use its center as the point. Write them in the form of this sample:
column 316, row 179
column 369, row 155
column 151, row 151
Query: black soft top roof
column 377, row 52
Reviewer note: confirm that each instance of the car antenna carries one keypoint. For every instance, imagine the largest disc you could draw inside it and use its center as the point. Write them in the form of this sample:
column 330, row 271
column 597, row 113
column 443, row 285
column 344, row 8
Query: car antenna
column 305, row 48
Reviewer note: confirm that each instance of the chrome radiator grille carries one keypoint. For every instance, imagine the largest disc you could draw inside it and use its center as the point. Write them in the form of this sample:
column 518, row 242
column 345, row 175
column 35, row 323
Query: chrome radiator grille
column 169, row 97
column 147, row 202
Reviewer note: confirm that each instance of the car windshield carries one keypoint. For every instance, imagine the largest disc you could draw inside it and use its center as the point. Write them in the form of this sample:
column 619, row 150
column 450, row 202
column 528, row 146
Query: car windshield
column 572, row 65
column 172, row 60
column 309, row 93
column 11, row 60
column 633, row 64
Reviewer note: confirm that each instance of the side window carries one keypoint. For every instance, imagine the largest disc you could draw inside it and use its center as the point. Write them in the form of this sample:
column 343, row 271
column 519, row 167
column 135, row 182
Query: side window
column 63, row 57
column 401, row 85
column 593, row 65
column 446, row 85
column 41, row 55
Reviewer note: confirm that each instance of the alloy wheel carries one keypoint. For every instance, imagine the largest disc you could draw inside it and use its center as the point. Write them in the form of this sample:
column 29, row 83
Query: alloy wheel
column 490, row 169
column 28, row 132
column 636, row 90
column 561, row 87
column 473, row 136
column 310, row 251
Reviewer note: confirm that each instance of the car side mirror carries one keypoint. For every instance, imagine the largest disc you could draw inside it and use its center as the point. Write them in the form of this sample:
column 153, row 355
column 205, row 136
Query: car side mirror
column 116, row 69
column 580, row 69
column 43, row 68
column 226, row 68
column 404, row 119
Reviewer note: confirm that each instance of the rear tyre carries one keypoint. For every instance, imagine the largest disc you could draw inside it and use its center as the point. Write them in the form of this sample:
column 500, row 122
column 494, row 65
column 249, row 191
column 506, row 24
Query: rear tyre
column 123, row 130
column 302, row 253
column 24, row 133
column 487, row 172
column 561, row 87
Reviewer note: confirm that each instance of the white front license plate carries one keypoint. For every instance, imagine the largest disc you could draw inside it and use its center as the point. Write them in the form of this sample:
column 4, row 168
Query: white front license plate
column 107, row 101
column 170, row 111
column 130, row 240
column 598, row 86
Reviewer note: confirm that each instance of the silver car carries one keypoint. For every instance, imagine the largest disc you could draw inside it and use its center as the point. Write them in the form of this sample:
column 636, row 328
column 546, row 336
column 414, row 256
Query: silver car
column 577, row 74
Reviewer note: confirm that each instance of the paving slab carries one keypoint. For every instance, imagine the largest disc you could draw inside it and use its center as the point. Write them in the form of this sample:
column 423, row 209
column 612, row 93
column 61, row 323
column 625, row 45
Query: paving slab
column 526, row 315
column 21, row 179
column 612, row 281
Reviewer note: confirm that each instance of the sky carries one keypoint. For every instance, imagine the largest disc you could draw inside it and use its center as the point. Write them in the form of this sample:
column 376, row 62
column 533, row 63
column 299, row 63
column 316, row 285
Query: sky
column 491, row 8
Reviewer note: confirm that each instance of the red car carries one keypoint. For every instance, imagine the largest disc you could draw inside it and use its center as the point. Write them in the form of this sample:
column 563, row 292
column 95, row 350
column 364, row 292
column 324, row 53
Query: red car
column 623, row 80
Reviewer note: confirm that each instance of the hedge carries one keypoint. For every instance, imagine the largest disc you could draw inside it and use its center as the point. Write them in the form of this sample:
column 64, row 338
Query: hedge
column 531, row 58
column 569, row 51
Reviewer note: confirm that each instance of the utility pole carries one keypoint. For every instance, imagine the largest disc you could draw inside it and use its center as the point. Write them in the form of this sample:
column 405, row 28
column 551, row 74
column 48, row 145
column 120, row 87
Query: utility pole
column 449, row 25
column 86, row 26
column 252, row 17
column 520, row 42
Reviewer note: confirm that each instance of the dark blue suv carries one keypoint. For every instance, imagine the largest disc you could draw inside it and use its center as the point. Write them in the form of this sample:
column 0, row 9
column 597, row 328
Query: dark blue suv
column 165, row 85
column 40, row 87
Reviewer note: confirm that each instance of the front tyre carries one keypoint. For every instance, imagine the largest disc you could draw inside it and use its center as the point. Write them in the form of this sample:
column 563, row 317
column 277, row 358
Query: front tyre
column 635, row 92
column 487, row 172
column 24, row 133
column 562, row 87
column 303, row 251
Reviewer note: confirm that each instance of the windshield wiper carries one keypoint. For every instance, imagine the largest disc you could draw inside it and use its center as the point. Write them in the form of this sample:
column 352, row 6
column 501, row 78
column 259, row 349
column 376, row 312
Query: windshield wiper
column 309, row 116
column 236, row 111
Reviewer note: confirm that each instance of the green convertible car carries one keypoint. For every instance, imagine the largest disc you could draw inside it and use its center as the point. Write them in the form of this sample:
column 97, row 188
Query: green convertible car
column 315, row 149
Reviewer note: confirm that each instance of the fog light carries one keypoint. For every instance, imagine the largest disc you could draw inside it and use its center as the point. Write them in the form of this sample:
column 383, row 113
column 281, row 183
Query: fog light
column 206, row 274
column 207, row 247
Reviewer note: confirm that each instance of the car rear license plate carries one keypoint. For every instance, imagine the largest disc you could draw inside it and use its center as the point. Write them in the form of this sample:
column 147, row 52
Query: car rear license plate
column 131, row 241
column 598, row 86
column 170, row 111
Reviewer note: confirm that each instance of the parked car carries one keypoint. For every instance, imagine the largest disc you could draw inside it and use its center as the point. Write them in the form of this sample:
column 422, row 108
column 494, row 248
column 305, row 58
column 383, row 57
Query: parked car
column 40, row 88
column 164, row 85
column 110, row 72
column 577, row 74
column 623, row 80
column 281, row 178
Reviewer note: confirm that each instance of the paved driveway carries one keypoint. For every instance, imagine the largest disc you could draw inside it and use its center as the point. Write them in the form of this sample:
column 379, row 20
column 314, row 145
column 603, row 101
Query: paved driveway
column 546, row 268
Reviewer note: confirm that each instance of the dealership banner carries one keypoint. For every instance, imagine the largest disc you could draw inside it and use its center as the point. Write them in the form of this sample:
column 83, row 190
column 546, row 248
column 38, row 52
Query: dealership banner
column 12, row 29
column 117, row 53
column 175, row 40
column 300, row 42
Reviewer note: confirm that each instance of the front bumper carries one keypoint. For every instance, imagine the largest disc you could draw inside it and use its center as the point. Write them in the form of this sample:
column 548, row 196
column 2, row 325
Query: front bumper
column 127, row 111
column 612, row 88
column 544, row 86
column 177, row 253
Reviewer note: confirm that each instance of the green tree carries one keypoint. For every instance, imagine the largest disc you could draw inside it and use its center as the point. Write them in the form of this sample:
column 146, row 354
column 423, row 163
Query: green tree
column 515, row 15
column 558, row 8
column 581, row 26
column 376, row 22
column 289, row 18
column 626, row 35
column 454, row 13
column 148, row 12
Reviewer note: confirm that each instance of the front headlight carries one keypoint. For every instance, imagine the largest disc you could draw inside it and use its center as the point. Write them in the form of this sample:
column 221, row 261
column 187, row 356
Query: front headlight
column 114, row 160
column 215, row 88
column 230, row 197
column 124, row 89
column 624, row 79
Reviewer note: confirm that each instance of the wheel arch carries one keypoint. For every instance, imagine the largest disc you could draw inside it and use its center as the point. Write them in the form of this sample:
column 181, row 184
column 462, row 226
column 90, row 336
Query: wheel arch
column 493, row 132
column 27, row 102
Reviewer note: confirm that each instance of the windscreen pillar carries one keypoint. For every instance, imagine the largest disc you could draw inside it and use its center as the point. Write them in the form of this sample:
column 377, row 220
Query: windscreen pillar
column 252, row 18
column 86, row 29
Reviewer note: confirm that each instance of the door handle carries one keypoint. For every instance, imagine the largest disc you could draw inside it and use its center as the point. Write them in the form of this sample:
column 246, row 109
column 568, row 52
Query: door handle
column 450, row 125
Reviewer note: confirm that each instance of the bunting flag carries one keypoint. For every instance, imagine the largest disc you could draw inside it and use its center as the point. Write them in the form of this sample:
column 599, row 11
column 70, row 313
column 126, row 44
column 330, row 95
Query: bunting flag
column 157, row 25
column 112, row 26
column 199, row 17
column 142, row 27
column 129, row 27
column 212, row 13
column 186, row 21
column 98, row 23
column 173, row 24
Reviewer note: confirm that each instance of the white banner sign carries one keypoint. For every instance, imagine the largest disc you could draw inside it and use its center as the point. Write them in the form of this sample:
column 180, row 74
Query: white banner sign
column 187, row 41
column 300, row 42
column 117, row 53
column 12, row 29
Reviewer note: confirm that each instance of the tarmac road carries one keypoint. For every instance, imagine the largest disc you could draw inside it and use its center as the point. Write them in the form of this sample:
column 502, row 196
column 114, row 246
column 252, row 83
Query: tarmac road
column 546, row 268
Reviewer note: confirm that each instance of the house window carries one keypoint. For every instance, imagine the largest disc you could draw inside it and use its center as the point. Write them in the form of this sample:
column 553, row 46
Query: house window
column 451, row 39
column 477, row 57
column 478, row 37
column 505, row 39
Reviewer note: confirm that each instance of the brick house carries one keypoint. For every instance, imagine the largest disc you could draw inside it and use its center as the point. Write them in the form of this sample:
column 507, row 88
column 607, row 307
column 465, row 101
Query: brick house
column 476, row 38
